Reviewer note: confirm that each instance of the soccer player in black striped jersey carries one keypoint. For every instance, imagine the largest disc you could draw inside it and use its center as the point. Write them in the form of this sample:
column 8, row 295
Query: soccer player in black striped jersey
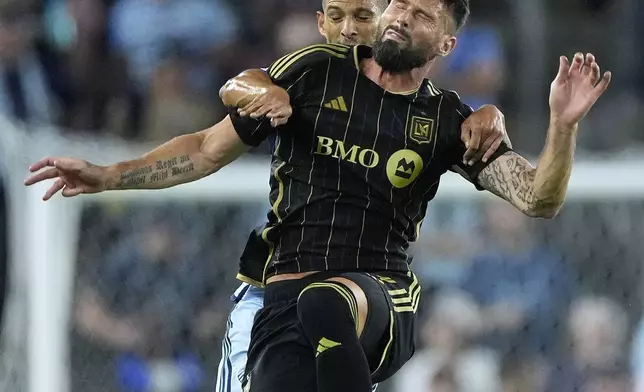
column 195, row 155
column 335, row 319
column 353, row 170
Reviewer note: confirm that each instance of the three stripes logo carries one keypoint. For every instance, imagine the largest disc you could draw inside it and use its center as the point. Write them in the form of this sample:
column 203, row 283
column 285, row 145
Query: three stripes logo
column 326, row 344
column 337, row 104
column 404, row 300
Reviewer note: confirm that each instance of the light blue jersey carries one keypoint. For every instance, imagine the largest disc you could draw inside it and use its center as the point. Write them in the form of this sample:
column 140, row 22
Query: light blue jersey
column 247, row 301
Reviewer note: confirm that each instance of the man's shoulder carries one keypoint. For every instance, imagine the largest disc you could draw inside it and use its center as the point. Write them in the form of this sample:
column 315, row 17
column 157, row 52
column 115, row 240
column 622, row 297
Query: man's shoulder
column 453, row 102
column 306, row 58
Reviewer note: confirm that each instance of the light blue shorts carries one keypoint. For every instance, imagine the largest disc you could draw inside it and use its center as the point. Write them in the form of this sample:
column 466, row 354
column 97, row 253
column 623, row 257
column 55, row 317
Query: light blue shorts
column 247, row 301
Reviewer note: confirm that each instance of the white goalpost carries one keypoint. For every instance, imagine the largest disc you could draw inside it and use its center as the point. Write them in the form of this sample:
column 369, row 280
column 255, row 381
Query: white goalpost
column 44, row 236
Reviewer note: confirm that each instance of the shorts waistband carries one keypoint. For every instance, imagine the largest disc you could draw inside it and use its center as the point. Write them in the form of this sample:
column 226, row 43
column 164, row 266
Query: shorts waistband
column 289, row 290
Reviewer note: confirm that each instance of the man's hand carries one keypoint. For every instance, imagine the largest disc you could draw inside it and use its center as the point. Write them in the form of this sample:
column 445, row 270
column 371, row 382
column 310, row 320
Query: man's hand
column 74, row 176
column 575, row 90
column 274, row 104
column 482, row 132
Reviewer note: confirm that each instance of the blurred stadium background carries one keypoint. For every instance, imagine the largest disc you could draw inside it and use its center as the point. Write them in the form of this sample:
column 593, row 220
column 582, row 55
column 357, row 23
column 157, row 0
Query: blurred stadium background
column 136, row 285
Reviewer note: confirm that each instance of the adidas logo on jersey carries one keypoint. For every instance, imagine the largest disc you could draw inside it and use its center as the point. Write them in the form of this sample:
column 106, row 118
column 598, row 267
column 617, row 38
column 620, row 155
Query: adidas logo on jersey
column 337, row 104
column 326, row 344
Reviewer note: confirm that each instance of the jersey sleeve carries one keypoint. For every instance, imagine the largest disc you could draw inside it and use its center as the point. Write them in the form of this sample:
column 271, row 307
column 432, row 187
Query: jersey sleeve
column 461, row 112
column 288, row 72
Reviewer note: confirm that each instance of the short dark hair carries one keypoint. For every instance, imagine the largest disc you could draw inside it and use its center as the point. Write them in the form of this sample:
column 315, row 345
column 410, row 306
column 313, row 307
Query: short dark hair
column 460, row 11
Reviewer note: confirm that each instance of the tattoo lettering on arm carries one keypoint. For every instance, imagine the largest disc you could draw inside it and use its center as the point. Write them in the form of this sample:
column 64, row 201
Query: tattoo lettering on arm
column 512, row 178
column 158, row 173
column 134, row 177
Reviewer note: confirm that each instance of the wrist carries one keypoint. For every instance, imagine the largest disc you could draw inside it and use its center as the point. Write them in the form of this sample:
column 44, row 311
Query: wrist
column 563, row 127
column 109, row 177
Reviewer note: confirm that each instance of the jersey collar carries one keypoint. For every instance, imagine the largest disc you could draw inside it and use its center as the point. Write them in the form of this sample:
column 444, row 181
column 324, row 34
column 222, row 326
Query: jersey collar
column 425, row 91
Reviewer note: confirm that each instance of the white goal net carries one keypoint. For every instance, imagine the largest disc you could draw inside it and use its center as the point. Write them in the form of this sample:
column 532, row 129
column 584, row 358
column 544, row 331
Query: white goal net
column 124, row 288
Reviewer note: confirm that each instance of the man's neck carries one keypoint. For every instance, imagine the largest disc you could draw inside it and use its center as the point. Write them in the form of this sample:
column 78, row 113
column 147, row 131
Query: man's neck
column 395, row 82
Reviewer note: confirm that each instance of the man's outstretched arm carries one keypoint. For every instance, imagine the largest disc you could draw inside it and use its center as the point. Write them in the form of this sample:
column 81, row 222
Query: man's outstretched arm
column 536, row 191
column 183, row 159
column 540, row 191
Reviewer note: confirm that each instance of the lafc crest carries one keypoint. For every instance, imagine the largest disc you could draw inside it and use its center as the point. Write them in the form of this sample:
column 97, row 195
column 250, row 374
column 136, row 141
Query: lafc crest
column 421, row 129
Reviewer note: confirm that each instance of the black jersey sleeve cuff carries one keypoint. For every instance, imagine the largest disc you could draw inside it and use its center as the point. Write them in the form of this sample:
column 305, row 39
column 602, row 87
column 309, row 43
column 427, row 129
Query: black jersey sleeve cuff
column 251, row 131
column 472, row 172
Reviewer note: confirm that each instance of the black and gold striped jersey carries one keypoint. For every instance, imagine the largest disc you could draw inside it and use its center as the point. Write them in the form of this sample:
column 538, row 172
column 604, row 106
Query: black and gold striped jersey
column 353, row 169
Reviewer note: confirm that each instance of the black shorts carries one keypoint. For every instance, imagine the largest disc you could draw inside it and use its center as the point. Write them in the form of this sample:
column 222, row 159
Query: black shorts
column 281, row 358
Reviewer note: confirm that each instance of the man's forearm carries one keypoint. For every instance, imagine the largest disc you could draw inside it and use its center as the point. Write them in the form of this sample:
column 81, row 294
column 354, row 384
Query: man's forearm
column 176, row 162
column 243, row 88
column 540, row 191
column 553, row 171
column 183, row 159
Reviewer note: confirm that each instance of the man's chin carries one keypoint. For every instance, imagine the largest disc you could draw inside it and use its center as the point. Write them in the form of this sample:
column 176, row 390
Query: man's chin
column 393, row 44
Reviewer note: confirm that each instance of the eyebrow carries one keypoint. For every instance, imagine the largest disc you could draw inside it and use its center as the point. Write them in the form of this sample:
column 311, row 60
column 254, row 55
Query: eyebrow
column 334, row 8
column 359, row 9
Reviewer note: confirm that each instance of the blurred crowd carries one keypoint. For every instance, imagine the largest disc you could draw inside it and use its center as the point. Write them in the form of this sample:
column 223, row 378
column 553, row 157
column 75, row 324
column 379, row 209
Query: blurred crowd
column 509, row 304
column 151, row 69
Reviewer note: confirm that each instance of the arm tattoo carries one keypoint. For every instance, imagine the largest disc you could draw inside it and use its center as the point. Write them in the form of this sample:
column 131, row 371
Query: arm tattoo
column 510, row 177
column 160, row 172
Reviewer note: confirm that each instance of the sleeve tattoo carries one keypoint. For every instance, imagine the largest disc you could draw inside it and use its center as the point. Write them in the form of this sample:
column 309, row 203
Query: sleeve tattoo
column 161, row 171
column 510, row 177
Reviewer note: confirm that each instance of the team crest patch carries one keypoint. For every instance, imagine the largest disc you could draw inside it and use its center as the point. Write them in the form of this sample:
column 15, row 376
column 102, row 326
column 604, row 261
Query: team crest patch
column 422, row 129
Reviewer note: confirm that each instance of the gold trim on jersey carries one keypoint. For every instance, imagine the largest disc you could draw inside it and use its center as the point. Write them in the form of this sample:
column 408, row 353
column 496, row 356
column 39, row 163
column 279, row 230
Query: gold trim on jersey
column 455, row 93
column 274, row 209
column 344, row 293
column 282, row 64
column 356, row 60
column 250, row 281
column 341, row 46
column 280, row 191
column 271, row 250
column 418, row 227
column 409, row 92
column 432, row 89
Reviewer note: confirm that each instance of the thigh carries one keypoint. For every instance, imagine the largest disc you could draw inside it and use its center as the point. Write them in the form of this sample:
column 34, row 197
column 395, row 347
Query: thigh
column 397, row 346
column 280, row 359
column 388, row 336
column 236, row 342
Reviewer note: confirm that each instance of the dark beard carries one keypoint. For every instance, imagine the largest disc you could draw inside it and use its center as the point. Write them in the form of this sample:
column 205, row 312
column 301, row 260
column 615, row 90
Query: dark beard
column 395, row 59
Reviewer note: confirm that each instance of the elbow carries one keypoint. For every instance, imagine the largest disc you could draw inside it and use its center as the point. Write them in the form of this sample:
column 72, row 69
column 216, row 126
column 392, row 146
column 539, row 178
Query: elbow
column 543, row 210
column 239, row 86
column 225, row 92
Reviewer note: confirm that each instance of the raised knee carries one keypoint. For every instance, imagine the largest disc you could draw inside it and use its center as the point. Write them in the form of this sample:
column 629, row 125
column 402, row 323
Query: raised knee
column 361, row 301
